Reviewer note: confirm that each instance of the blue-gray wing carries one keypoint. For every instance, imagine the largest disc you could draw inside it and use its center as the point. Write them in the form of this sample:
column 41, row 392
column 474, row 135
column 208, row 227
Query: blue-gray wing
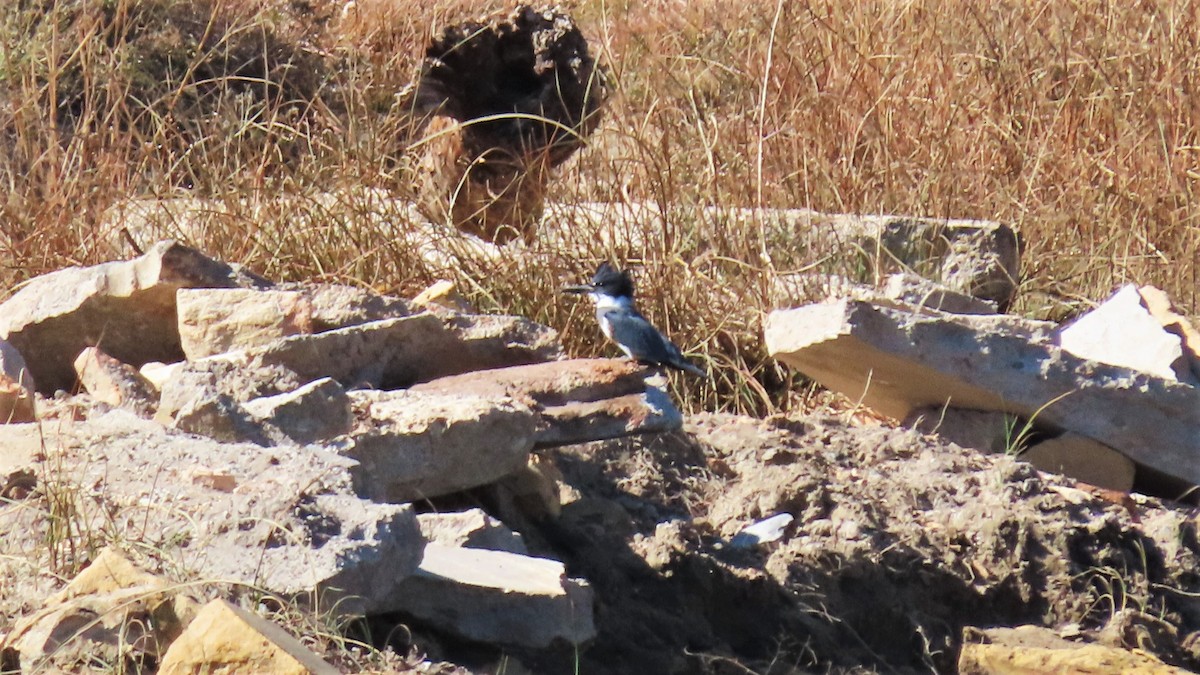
column 641, row 340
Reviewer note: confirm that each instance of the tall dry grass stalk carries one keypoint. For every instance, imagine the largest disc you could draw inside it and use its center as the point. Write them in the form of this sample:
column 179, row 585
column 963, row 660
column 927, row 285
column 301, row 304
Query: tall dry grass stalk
column 1077, row 122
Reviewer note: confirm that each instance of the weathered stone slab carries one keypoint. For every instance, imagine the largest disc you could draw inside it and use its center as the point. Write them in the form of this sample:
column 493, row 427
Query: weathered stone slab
column 1121, row 332
column 115, row 383
column 978, row 257
column 497, row 341
column 336, row 306
column 194, row 384
column 285, row 521
column 470, row 529
column 125, row 308
column 317, row 411
column 384, row 354
column 498, row 597
column 895, row 361
column 16, row 387
column 578, row 400
column 900, row 289
column 218, row 320
column 1083, row 459
column 412, row 445
column 224, row 638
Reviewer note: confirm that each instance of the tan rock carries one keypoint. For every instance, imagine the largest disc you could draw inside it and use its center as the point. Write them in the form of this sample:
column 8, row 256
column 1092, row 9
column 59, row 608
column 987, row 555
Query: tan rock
column 232, row 375
column 218, row 320
column 126, row 308
column 578, row 400
column 224, row 638
column 412, row 445
column 1083, row 459
column 1030, row 650
column 896, row 361
column 499, row 597
column 529, row 493
column 111, row 610
column 115, row 383
column 16, row 387
column 442, row 294
column 977, row 257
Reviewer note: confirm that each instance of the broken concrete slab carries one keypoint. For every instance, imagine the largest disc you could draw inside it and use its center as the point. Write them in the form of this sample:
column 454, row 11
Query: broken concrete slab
column 498, row 597
column 233, row 376
column 336, row 306
column 119, row 384
column 1121, row 332
column 126, row 308
column 1160, row 307
column 386, row 354
column 218, row 320
column 317, row 411
column 497, row 341
column 900, row 289
column 473, row 528
column 314, row 412
column 411, row 445
column 291, row 524
column 1083, row 459
column 896, row 361
column 221, row 418
column 16, row 387
column 578, row 400
column 224, row 638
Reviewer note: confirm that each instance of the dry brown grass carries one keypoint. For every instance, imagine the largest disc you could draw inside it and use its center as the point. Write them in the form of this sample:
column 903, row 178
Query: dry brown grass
column 1075, row 121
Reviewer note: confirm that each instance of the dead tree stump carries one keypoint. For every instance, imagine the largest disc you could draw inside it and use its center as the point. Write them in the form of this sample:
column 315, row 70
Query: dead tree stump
column 502, row 102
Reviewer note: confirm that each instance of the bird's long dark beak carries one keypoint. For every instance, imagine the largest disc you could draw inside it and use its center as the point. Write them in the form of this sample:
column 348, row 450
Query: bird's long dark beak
column 582, row 289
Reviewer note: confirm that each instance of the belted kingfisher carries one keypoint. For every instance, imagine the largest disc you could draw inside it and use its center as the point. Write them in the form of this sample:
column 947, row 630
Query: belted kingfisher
column 612, row 292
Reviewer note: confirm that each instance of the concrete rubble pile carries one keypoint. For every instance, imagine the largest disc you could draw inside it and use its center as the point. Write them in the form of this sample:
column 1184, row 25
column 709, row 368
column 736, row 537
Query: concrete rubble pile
column 1110, row 398
column 276, row 437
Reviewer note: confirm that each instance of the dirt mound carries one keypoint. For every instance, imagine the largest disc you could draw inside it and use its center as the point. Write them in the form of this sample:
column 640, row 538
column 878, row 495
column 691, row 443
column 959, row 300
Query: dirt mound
column 899, row 542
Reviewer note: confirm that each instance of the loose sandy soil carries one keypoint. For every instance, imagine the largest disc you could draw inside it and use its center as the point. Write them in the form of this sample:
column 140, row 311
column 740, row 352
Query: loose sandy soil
column 899, row 542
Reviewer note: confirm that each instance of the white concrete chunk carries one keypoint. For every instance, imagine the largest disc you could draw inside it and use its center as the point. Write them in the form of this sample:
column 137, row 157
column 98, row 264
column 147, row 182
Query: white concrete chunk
column 412, row 445
column 1121, row 332
column 494, row 596
column 896, row 361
